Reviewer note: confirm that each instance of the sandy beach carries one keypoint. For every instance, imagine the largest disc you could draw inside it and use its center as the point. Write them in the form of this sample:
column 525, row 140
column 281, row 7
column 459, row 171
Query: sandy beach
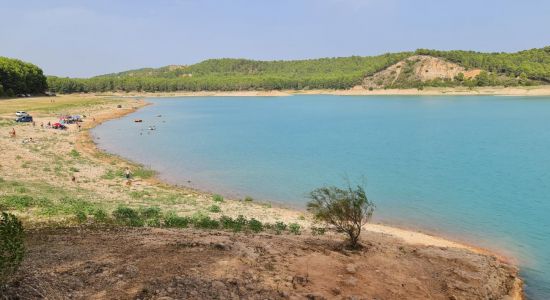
column 543, row 90
column 46, row 165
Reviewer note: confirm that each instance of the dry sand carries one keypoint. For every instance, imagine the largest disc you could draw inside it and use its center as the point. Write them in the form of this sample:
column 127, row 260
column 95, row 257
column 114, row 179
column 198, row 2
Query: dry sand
column 360, row 91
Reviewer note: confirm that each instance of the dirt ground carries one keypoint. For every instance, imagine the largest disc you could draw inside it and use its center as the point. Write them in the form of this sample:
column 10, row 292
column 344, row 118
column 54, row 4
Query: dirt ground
column 126, row 263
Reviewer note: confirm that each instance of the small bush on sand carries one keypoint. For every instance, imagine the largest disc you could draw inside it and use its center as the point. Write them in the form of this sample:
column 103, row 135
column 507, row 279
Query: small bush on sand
column 74, row 153
column 206, row 223
column 279, row 227
column 81, row 216
column 128, row 217
column 226, row 222
column 150, row 212
column 214, row 209
column 12, row 248
column 255, row 225
column 100, row 215
column 173, row 220
column 346, row 209
column 318, row 230
column 151, row 216
column 248, row 199
column 217, row 198
column 294, row 228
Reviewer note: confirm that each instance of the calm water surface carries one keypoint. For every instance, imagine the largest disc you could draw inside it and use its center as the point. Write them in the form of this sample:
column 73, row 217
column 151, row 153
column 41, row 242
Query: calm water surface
column 474, row 168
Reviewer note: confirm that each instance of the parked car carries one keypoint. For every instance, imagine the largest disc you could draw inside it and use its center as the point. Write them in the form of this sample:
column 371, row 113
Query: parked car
column 21, row 114
column 58, row 126
column 26, row 118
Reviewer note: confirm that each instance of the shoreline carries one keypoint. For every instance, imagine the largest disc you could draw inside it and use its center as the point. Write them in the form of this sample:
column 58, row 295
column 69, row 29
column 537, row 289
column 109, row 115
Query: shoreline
column 411, row 236
column 83, row 142
column 531, row 91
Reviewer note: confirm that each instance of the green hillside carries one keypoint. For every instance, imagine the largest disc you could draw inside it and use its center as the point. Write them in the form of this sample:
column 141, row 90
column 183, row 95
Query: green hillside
column 529, row 67
column 18, row 77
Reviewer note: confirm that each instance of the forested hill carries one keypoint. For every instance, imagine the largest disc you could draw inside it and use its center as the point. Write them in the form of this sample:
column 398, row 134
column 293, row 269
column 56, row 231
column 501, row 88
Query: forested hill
column 529, row 67
column 18, row 77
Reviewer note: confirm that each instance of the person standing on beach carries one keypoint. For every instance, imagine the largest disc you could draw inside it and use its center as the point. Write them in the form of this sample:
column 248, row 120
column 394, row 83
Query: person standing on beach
column 128, row 176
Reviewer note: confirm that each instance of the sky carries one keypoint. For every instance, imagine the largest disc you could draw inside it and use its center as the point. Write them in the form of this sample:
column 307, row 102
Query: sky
column 83, row 38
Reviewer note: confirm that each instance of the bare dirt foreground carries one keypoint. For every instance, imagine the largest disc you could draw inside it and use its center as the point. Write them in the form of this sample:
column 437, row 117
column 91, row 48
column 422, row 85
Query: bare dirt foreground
column 119, row 263
column 68, row 259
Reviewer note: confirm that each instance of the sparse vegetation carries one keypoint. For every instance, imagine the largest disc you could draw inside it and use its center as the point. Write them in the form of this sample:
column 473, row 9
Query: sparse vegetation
column 128, row 217
column 217, row 198
column 255, row 225
column 345, row 209
column 214, row 209
column 173, row 220
column 143, row 173
column 12, row 248
column 294, row 228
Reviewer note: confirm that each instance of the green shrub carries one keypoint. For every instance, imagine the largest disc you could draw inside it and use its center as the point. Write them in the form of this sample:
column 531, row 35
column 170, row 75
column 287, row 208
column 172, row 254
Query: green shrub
column 74, row 154
column 346, row 209
column 150, row 212
column 12, row 248
column 279, row 227
column 173, row 220
column 214, row 209
column 294, row 228
column 205, row 222
column 128, row 217
column 217, row 198
column 153, row 222
column 318, row 230
column 240, row 223
column 248, row 199
column 73, row 169
column 255, row 225
column 227, row 222
column 100, row 215
column 81, row 216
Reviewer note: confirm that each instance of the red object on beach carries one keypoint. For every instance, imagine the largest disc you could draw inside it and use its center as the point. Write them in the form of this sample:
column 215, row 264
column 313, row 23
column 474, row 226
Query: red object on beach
column 58, row 126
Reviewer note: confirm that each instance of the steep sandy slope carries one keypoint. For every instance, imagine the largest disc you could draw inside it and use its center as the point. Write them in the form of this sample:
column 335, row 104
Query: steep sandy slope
column 417, row 68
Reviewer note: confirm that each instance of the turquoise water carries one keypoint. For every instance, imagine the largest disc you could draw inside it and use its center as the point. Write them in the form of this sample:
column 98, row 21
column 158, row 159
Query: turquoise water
column 473, row 168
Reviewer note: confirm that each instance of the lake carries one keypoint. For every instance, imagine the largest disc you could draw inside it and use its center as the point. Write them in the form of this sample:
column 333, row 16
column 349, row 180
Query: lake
column 473, row 168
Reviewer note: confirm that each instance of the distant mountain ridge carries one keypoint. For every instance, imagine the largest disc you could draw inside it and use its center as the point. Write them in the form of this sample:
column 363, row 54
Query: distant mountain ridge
column 441, row 68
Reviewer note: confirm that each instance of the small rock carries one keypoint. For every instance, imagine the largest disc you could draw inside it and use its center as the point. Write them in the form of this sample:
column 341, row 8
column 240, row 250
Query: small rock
column 352, row 281
column 218, row 285
column 336, row 291
column 351, row 269
column 315, row 297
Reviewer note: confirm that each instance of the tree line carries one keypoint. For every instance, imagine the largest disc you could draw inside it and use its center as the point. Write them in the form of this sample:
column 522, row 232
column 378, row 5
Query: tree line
column 236, row 74
column 18, row 77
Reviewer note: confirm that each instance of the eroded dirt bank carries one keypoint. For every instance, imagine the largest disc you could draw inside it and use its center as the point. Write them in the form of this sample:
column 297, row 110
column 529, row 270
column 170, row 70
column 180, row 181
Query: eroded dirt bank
column 125, row 263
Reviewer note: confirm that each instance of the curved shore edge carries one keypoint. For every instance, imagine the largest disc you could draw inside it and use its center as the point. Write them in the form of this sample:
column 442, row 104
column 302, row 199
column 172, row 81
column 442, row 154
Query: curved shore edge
column 532, row 91
column 87, row 143
column 395, row 263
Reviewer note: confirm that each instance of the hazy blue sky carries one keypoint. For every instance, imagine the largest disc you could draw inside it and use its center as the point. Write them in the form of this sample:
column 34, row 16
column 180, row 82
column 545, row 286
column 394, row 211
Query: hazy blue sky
column 85, row 38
